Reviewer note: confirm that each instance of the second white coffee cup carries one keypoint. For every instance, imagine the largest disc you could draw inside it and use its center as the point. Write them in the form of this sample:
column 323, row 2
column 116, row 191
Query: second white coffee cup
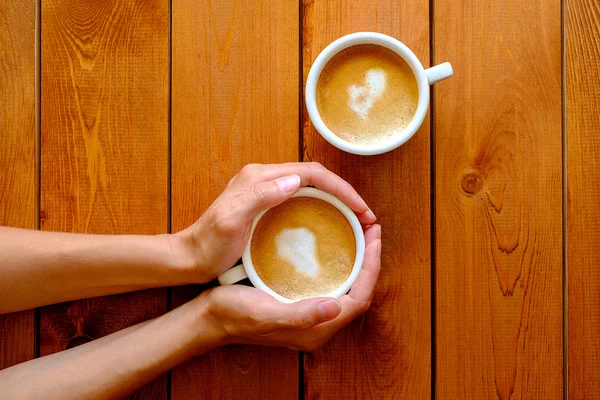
column 246, row 269
column 424, row 78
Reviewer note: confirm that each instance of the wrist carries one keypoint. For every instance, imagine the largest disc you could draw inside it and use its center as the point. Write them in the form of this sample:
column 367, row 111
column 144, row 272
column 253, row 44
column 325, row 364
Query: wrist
column 210, row 331
column 181, row 263
column 172, row 263
column 187, row 253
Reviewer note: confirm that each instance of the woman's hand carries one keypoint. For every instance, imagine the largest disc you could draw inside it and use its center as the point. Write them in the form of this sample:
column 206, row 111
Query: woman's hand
column 247, row 315
column 217, row 240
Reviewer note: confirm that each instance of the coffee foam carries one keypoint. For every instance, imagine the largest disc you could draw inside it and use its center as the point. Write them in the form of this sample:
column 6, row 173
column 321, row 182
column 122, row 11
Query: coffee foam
column 361, row 98
column 305, row 247
column 367, row 94
column 298, row 247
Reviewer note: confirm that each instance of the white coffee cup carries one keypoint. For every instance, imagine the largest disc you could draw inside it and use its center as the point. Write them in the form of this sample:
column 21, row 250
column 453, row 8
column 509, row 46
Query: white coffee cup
column 246, row 269
column 424, row 78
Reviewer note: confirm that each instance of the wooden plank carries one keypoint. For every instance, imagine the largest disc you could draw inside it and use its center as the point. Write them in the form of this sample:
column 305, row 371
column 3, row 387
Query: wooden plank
column 18, row 188
column 105, row 134
column 583, row 182
column 499, row 200
column 387, row 352
column 235, row 101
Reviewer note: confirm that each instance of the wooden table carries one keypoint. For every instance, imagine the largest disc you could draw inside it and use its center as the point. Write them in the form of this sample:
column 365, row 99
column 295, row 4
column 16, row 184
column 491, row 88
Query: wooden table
column 129, row 116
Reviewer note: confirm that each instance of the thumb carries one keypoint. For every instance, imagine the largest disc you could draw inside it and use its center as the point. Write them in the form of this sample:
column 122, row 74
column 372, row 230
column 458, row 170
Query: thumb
column 268, row 194
column 307, row 313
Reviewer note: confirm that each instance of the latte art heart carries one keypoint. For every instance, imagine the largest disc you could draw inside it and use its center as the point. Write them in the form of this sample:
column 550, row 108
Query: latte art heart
column 367, row 94
column 298, row 247
column 361, row 98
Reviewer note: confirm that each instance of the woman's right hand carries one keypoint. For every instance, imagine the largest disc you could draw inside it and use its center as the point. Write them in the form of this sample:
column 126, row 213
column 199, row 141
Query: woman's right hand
column 246, row 315
column 216, row 241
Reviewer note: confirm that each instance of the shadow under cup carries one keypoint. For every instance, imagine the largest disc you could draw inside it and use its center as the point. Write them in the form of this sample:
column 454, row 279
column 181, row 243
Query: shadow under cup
column 247, row 270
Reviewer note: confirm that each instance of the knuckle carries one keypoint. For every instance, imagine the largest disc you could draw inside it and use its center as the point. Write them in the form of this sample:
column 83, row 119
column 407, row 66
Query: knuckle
column 250, row 169
column 301, row 320
column 232, row 181
column 223, row 223
column 315, row 166
column 227, row 228
column 257, row 192
column 268, row 169
column 252, row 320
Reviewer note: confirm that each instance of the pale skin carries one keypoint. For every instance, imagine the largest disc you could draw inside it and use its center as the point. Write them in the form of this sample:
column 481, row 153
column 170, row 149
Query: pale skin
column 39, row 268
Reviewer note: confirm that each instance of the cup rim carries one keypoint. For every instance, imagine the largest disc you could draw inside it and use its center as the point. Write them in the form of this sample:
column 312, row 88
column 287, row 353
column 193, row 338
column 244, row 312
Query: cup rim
column 390, row 43
column 358, row 236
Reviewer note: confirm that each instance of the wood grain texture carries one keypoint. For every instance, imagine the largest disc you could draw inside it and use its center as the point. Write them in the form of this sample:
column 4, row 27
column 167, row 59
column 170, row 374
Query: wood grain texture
column 105, row 134
column 499, row 200
column 235, row 101
column 387, row 352
column 18, row 188
column 583, row 159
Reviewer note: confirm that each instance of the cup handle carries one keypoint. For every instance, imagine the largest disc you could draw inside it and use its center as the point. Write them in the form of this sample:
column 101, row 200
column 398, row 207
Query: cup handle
column 439, row 72
column 233, row 275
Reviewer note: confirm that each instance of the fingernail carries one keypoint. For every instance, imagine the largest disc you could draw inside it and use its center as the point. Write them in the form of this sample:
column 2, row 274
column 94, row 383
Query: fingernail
column 329, row 309
column 371, row 215
column 288, row 183
column 379, row 232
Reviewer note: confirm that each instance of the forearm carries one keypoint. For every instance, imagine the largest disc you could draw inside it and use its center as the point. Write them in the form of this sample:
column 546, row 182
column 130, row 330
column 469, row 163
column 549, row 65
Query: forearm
column 118, row 364
column 38, row 268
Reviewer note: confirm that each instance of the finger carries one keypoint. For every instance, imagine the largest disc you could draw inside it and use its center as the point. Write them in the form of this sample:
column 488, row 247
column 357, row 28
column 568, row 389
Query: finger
column 366, row 218
column 351, row 309
column 306, row 313
column 367, row 278
column 317, row 175
column 334, row 315
column 352, row 305
column 359, row 298
column 371, row 233
column 264, row 195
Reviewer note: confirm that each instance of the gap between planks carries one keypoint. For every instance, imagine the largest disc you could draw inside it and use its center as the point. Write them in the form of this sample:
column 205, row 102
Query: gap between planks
column 565, row 230
column 432, row 200
column 38, row 148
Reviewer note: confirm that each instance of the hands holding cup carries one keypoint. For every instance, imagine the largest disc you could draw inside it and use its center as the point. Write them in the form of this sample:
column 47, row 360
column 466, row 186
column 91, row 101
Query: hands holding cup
column 217, row 240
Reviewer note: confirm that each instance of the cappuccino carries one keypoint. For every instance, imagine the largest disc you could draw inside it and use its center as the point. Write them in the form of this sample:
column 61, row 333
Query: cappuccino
column 303, row 248
column 366, row 94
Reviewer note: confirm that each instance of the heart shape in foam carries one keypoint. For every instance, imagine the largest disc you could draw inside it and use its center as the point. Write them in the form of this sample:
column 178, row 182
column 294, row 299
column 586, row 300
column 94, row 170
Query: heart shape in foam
column 298, row 246
column 363, row 97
